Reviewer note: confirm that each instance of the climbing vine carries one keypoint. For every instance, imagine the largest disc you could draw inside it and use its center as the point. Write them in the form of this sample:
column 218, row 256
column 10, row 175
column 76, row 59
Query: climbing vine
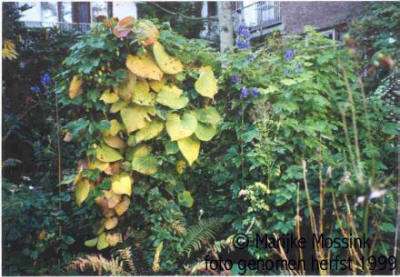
column 134, row 101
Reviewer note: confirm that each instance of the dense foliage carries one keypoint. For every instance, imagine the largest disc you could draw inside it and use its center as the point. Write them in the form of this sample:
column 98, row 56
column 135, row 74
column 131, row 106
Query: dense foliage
column 298, row 140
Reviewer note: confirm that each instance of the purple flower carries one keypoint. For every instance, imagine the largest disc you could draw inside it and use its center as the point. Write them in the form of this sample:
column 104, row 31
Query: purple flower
column 243, row 31
column 289, row 54
column 35, row 89
column 45, row 79
column 244, row 92
column 235, row 79
column 242, row 43
column 255, row 92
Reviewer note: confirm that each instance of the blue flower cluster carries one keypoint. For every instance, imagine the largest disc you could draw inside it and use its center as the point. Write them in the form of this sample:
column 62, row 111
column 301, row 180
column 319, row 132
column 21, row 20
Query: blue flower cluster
column 45, row 79
column 246, row 92
column 243, row 37
column 35, row 89
column 235, row 79
column 289, row 54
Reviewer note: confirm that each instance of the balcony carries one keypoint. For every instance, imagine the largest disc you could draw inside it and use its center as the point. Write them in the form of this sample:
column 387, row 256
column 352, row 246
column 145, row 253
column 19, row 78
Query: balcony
column 62, row 26
column 261, row 17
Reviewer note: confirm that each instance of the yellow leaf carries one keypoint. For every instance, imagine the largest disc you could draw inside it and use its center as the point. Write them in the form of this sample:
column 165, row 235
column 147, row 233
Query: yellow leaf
column 123, row 206
column 167, row 63
column 156, row 260
column 75, row 87
column 205, row 132
column 206, row 85
column 178, row 128
column 146, row 32
column 102, row 166
column 91, row 242
column 111, row 223
column 142, row 94
column 144, row 67
column 109, row 97
column 180, row 166
column 125, row 89
column 112, row 198
column 114, row 239
column 115, row 127
column 136, row 117
column 106, row 154
column 115, row 142
column 117, row 106
column 171, row 96
column 102, row 242
column 150, row 131
column 42, row 235
column 122, row 184
column 142, row 160
column 157, row 85
column 82, row 191
column 190, row 148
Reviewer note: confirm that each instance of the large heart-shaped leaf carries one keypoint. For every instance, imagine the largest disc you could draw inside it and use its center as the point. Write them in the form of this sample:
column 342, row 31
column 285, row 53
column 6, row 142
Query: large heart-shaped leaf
column 115, row 127
column 150, row 131
column 114, row 239
column 208, row 115
column 185, row 199
column 122, row 184
column 205, row 132
column 142, row 160
column 190, row 148
column 136, row 117
column 178, row 128
column 102, row 242
column 171, row 96
column 109, row 97
column 117, row 106
column 106, row 154
column 123, row 206
column 142, row 94
column 206, row 85
column 75, row 87
column 144, row 67
column 111, row 223
column 157, row 85
column 115, row 142
column 91, row 242
column 167, row 63
column 125, row 89
column 82, row 191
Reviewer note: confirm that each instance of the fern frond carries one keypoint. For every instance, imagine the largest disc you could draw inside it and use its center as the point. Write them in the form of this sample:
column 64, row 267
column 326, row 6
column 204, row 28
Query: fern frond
column 98, row 264
column 126, row 256
column 200, row 234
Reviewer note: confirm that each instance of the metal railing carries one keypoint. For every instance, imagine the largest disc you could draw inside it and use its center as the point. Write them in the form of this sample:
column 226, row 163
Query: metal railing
column 258, row 15
column 63, row 26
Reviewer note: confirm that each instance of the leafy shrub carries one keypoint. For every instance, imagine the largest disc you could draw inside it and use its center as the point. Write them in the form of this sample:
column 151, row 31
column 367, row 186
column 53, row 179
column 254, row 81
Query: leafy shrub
column 124, row 89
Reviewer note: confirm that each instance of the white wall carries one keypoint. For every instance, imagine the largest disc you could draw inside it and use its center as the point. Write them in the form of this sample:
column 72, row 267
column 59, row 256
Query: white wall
column 123, row 9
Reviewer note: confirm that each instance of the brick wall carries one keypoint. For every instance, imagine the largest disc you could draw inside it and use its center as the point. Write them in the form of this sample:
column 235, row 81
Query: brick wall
column 321, row 15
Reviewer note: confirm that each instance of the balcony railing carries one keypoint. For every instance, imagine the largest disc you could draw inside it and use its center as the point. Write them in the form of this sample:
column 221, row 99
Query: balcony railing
column 63, row 26
column 258, row 16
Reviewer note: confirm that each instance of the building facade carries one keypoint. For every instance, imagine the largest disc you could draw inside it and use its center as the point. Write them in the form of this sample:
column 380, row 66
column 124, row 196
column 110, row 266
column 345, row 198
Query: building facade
column 73, row 14
column 290, row 17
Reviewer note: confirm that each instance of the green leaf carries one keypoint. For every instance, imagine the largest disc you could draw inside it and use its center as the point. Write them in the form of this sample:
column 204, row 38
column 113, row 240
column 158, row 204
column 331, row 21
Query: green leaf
column 179, row 128
column 171, row 96
column 190, row 148
column 142, row 160
column 208, row 115
column 205, row 132
column 185, row 199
